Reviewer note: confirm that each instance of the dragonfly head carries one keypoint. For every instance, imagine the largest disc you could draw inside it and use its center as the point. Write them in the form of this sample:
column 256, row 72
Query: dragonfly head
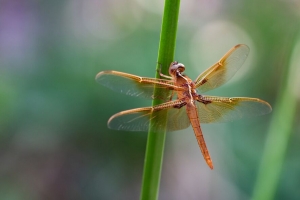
column 176, row 68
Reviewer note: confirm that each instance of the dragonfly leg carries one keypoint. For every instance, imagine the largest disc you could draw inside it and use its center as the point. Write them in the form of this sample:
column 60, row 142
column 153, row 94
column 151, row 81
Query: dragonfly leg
column 180, row 105
column 161, row 74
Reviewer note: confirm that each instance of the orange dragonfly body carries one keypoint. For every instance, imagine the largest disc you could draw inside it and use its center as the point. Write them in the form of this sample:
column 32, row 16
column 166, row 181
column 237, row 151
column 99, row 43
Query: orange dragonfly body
column 190, row 107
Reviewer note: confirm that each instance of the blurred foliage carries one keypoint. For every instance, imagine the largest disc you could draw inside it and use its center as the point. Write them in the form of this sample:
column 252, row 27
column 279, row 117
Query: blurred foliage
column 54, row 140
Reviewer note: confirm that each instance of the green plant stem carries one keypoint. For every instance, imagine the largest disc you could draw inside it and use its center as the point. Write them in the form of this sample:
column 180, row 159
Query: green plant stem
column 275, row 148
column 156, row 141
column 276, row 142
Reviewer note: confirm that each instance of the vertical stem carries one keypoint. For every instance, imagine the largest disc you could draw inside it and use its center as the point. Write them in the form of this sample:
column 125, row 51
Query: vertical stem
column 278, row 137
column 156, row 141
column 275, row 148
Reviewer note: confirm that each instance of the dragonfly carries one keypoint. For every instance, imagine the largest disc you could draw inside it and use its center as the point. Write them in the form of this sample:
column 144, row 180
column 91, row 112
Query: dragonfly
column 184, row 102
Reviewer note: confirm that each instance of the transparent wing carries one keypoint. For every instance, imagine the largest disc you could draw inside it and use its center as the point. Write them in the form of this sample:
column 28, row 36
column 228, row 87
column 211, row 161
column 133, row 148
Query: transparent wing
column 133, row 85
column 139, row 119
column 222, row 71
column 223, row 109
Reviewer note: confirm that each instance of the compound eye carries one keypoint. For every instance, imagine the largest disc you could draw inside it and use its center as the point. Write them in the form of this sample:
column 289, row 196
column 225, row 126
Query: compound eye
column 181, row 68
column 175, row 66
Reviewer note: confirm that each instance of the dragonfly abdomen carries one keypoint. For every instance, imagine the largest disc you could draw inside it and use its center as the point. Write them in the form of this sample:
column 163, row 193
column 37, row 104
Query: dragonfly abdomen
column 194, row 119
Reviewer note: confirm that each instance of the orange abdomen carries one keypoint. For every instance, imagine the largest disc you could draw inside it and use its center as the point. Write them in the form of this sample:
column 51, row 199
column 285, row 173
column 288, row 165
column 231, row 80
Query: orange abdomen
column 194, row 119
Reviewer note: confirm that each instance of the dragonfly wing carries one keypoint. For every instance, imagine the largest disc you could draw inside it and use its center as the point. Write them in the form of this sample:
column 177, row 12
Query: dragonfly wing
column 139, row 119
column 222, row 71
column 223, row 109
column 133, row 85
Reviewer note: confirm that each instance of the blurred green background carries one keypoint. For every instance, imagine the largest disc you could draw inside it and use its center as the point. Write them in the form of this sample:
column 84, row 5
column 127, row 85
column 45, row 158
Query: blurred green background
column 55, row 143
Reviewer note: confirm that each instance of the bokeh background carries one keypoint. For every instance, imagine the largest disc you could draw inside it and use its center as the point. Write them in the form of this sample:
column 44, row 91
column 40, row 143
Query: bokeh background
column 55, row 143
